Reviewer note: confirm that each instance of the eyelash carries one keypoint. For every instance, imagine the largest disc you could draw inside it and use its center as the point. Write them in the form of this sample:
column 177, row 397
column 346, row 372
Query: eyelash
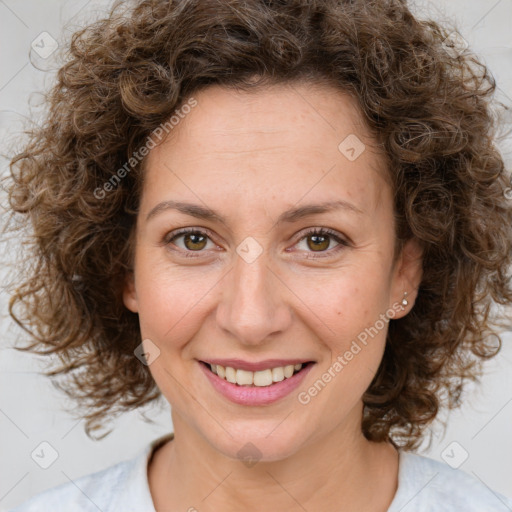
column 312, row 232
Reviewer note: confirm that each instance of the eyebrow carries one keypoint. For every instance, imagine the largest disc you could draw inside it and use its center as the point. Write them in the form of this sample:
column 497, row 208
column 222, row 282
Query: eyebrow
column 289, row 216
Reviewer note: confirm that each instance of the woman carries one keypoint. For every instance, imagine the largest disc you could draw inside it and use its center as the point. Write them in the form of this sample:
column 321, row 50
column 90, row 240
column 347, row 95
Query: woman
column 289, row 219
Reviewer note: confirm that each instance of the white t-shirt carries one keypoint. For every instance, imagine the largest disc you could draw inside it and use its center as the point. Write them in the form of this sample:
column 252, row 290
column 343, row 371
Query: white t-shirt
column 424, row 485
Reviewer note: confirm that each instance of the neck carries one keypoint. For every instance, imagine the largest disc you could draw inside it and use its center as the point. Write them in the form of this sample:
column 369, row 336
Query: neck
column 340, row 471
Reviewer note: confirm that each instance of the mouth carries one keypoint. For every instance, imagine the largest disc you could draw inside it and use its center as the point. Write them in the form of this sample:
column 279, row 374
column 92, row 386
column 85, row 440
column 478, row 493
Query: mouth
column 266, row 377
column 268, row 382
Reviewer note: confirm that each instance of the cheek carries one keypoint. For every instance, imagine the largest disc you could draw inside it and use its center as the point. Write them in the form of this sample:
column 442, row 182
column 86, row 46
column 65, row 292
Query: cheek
column 171, row 312
column 353, row 331
column 171, row 304
column 346, row 302
column 350, row 315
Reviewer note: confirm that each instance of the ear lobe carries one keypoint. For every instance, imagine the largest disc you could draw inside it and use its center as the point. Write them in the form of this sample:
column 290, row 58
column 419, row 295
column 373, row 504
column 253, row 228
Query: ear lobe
column 409, row 273
column 129, row 293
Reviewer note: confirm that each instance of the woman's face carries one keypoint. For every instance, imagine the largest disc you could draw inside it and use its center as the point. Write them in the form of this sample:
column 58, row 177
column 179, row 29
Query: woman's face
column 252, row 282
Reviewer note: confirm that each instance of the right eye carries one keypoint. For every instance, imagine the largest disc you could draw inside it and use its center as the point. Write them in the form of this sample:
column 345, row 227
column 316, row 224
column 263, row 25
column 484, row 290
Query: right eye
column 194, row 240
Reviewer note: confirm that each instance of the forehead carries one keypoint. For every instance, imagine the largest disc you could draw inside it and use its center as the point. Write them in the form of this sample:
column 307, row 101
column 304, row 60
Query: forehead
column 294, row 111
column 285, row 141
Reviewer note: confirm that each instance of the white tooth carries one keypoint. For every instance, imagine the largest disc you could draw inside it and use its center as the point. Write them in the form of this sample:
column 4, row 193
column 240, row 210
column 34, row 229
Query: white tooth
column 243, row 377
column 263, row 378
column 288, row 370
column 213, row 368
column 278, row 374
column 221, row 371
column 230, row 375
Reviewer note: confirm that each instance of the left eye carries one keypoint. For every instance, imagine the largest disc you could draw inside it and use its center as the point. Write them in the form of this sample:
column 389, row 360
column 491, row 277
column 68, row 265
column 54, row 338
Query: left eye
column 319, row 240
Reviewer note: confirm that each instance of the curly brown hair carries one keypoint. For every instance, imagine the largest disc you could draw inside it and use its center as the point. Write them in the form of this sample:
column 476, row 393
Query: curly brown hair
column 427, row 104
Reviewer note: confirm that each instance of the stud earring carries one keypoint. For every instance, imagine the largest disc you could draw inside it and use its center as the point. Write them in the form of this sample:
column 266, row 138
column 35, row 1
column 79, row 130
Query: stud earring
column 405, row 302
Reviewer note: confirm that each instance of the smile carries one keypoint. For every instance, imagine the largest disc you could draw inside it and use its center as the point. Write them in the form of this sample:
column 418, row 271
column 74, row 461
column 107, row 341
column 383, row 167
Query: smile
column 260, row 387
column 260, row 378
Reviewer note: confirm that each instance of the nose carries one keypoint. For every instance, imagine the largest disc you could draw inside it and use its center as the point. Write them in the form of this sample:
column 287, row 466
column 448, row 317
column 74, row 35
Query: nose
column 253, row 303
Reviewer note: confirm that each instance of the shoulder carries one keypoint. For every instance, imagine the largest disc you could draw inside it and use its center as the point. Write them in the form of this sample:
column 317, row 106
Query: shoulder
column 122, row 486
column 427, row 485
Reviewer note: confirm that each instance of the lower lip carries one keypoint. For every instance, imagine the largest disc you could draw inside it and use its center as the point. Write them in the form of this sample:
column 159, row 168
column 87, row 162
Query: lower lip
column 256, row 395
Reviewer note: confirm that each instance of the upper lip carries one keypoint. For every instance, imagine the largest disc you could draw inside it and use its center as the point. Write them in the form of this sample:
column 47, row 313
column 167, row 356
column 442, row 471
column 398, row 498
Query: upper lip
column 255, row 366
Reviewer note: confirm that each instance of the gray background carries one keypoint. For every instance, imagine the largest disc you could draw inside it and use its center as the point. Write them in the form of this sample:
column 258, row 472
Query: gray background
column 32, row 411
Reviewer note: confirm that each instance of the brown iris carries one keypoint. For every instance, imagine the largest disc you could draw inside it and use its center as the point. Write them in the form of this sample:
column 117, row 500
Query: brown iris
column 196, row 240
column 321, row 242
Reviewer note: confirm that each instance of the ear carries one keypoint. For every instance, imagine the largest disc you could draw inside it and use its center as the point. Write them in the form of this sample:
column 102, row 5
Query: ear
column 407, row 276
column 129, row 293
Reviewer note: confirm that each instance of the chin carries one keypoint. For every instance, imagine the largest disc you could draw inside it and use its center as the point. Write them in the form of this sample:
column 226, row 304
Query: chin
column 256, row 445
